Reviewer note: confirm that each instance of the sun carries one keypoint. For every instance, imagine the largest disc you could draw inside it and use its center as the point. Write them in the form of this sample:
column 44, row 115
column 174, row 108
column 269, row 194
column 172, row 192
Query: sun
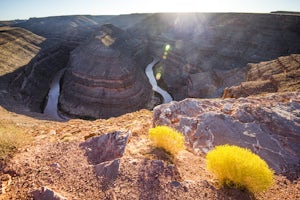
column 190, row 5
column 186, row 5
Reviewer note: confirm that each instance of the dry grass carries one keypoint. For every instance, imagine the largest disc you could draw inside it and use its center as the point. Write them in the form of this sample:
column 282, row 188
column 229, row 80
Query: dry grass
column 12, row 138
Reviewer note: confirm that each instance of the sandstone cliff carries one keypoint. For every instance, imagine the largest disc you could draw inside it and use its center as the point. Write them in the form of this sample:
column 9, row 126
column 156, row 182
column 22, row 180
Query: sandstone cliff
column 280, row 75
column 205, row 47
column 35, row 59
column 104, row 77
column 17, row 47
column 34, row 66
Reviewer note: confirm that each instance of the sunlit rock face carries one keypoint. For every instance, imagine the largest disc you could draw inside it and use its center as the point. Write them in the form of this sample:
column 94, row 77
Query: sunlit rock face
column 267, row 125
column 104, row 77
column 209, row 51
column 279, row 75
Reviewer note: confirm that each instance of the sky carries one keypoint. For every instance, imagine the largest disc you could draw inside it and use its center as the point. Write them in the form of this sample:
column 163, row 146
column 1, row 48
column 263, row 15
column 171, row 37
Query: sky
column 24, row 9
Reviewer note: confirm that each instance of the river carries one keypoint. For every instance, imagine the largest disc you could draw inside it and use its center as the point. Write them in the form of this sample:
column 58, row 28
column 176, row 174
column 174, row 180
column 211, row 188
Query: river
column 53, row 95
column 149, row 72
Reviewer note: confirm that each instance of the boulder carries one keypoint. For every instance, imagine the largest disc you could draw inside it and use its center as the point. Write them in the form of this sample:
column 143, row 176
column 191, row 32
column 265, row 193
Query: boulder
column 268, row 125
column 106, row 147
column 104, row 153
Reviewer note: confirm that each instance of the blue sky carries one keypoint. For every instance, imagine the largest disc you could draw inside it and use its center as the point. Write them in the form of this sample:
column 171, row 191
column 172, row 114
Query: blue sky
column 23, row 9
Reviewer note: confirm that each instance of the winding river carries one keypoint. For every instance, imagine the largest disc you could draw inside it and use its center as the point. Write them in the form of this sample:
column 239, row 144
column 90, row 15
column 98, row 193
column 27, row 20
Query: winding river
column 149, row 72
column 53, row 95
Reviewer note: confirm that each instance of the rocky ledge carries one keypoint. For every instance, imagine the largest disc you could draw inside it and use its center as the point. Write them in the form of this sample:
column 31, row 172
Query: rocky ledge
column 279, row 75
column 104, row 77
column 268, row 125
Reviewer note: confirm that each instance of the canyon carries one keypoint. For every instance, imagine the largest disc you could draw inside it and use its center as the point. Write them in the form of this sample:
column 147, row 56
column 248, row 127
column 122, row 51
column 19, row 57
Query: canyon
column 88, row 88
column 204, row 51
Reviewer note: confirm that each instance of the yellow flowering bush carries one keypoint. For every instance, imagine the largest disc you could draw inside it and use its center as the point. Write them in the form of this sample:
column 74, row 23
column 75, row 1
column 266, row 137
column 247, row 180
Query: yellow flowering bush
column 238, row 167
column 167, row 138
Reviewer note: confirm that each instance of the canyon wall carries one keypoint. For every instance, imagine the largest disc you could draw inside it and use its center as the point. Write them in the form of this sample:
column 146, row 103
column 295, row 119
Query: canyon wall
column 279, row 75
column 104, row 77
column 34, row 64
column 201, row 53
column 208, row 51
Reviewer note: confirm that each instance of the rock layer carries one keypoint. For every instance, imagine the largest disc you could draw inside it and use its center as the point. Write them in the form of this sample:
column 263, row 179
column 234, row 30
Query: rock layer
column 17, row 47
column 280, row 75
column 104, row 77
column 205, row 44
column 268, row 125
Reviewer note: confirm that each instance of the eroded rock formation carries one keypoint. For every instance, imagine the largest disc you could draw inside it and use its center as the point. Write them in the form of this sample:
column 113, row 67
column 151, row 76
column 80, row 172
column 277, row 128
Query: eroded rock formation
column 17, row 47
column 280, row 75
column 208, row 49
column 206, row 53
column 104, row 77
column 268, row 125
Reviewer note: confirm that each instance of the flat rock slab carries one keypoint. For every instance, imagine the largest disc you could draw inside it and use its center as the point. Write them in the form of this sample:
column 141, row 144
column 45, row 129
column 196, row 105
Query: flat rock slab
column 268, row 125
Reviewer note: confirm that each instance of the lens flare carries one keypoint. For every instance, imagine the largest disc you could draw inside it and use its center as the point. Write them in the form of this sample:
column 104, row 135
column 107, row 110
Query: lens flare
column 167, row 48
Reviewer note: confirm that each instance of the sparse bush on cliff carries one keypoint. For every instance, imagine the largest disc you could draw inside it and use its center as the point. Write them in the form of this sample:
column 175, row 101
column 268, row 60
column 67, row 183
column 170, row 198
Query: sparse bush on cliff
column 167, row 138
column 238, row 167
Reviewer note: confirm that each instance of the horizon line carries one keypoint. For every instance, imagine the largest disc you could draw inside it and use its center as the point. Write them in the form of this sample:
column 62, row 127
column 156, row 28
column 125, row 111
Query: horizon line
column 284, row 12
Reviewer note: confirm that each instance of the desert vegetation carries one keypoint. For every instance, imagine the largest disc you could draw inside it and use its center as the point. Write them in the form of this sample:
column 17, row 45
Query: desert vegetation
column 238, row 167
column 167, row 138
column 12, row 137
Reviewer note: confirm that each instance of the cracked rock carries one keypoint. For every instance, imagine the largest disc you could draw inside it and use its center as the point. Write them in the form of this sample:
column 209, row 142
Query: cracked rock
column 104, row 152
column 268, row 125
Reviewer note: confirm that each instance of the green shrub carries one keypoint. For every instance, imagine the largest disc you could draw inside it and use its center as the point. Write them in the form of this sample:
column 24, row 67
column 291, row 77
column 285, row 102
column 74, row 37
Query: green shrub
column 240, row 168
column 167, row 138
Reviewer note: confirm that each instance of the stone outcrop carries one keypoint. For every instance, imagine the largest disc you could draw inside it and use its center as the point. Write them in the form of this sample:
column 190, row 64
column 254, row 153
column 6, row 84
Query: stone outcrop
column 268, row 125
column 47, row 194
column 280, row 75
column 104, row 77
column 105, row 151
column 204, row 44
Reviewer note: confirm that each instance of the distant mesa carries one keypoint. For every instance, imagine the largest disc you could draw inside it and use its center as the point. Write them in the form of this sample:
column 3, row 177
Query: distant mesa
column 104, row 78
